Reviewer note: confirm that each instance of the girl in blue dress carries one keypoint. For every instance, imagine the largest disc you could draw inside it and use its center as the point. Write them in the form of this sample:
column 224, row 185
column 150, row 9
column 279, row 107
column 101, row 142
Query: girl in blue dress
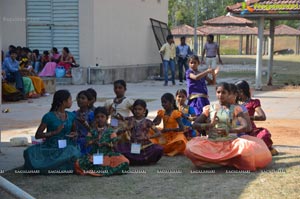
column 188, row 113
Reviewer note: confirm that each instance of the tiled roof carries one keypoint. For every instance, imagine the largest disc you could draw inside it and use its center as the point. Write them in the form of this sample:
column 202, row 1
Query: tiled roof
column 266, row 6
column 184, row 30
column 284, row 30
column 228, row 30
column 228, row 20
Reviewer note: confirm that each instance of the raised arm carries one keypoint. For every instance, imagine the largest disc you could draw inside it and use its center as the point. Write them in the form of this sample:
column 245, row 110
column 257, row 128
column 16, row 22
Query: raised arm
column 200, row 75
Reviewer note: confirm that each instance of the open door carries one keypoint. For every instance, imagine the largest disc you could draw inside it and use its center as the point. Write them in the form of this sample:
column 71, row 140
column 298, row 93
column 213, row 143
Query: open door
column 161, row 31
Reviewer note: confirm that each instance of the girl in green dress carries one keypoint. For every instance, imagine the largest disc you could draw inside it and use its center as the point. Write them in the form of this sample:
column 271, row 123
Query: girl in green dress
column 101, row 160
column 59, row 151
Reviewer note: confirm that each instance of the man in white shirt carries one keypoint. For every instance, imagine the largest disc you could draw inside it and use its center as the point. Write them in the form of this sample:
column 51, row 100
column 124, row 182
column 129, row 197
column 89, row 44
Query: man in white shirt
column 169, row 53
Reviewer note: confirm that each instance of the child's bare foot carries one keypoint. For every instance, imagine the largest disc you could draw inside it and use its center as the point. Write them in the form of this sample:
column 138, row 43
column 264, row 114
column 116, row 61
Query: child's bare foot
column 173, row 153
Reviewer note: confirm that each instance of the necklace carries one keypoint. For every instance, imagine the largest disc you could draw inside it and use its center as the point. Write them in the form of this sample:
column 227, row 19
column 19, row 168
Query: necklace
column 138, row 129
column 61, row 116
column 245, row 102
column 100, row 131
column 138, row 125
column 182, row 108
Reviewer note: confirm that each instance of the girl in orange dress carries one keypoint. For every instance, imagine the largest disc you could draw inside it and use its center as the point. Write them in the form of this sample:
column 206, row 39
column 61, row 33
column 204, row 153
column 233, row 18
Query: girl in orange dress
column 172, row 139
column 223, row 147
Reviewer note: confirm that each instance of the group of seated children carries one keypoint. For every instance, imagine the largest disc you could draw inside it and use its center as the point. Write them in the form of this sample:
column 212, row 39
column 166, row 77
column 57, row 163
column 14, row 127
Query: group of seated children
column 104, row 141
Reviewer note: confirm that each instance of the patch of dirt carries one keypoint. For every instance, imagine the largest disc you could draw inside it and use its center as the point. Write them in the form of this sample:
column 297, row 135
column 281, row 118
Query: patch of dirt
column 284, row 132
column 295, row 88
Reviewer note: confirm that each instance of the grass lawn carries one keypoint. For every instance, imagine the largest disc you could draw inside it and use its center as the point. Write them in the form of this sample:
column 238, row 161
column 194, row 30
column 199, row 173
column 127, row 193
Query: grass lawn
column 286, row 68
column 279, row 180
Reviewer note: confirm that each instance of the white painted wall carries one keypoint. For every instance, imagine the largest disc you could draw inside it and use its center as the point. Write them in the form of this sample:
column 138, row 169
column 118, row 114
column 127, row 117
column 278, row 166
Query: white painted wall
column 112, row 32
column 121, row 30
column 13, row 18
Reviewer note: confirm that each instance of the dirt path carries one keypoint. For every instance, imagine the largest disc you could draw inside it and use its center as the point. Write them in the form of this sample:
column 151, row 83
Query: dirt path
column 284, row 132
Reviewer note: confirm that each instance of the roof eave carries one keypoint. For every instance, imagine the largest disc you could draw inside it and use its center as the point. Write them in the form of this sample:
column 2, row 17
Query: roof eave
column 268, row 16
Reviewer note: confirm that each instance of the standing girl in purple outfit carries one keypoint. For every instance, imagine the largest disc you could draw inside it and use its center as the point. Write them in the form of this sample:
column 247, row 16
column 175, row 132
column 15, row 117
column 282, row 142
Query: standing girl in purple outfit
column 196, row 85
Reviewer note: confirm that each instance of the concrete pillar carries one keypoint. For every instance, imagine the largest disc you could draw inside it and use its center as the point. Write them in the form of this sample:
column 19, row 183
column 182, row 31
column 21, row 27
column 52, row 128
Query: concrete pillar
column 251, row 45
column 270, row 51
column 297, row 45
column 247, row 45
column 241, row 45
column 258, row 82
column 202, row 44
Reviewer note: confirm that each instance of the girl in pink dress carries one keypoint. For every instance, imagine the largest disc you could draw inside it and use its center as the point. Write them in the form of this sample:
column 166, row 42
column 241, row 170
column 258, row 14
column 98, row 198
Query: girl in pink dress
column 223, row 147
column 256, row 113
column 49, row 64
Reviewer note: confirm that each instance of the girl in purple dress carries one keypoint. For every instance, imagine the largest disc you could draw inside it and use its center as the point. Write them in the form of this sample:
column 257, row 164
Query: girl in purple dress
column 82, row 121
column 140, row 150
column 196, row 85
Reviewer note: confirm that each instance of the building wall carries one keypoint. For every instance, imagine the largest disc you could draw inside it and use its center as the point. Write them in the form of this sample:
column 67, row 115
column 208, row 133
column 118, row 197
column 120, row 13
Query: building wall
column 121, row 30
column 13, row 17
column 113, row 33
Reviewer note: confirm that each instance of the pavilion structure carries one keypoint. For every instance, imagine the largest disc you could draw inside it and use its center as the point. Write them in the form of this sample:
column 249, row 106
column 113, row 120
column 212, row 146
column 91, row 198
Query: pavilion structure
column 262, row 10
column 231, row 25
column 283, row 30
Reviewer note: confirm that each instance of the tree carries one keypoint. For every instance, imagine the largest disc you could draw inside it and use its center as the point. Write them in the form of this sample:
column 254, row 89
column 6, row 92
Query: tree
column 182, row 11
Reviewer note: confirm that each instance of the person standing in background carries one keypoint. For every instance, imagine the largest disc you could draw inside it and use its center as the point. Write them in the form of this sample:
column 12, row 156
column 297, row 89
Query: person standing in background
column 182, row 53
column 168, row 51
column 212, row 50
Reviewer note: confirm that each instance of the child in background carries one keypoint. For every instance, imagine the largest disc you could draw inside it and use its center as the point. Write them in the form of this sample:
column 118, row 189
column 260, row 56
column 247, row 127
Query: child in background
column 36, row 60
column 45, row 59
column 256, row 113
column 196, row 85
column 82, row 119
column 172, row 139
column 94, row 98
column 101, row 140
column 188, row 113
column 139, row 127
column 120, row 107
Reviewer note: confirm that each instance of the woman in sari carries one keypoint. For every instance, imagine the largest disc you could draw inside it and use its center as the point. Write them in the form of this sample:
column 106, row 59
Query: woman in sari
column 66, row 60
column 59, row 151
column 101, row 159
column 27, row 70
column 10, row 93
column 223, row 147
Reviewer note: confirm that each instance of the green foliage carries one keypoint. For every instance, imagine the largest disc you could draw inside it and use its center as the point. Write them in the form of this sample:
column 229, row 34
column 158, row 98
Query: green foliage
column 183, row 12
column 229, row 51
